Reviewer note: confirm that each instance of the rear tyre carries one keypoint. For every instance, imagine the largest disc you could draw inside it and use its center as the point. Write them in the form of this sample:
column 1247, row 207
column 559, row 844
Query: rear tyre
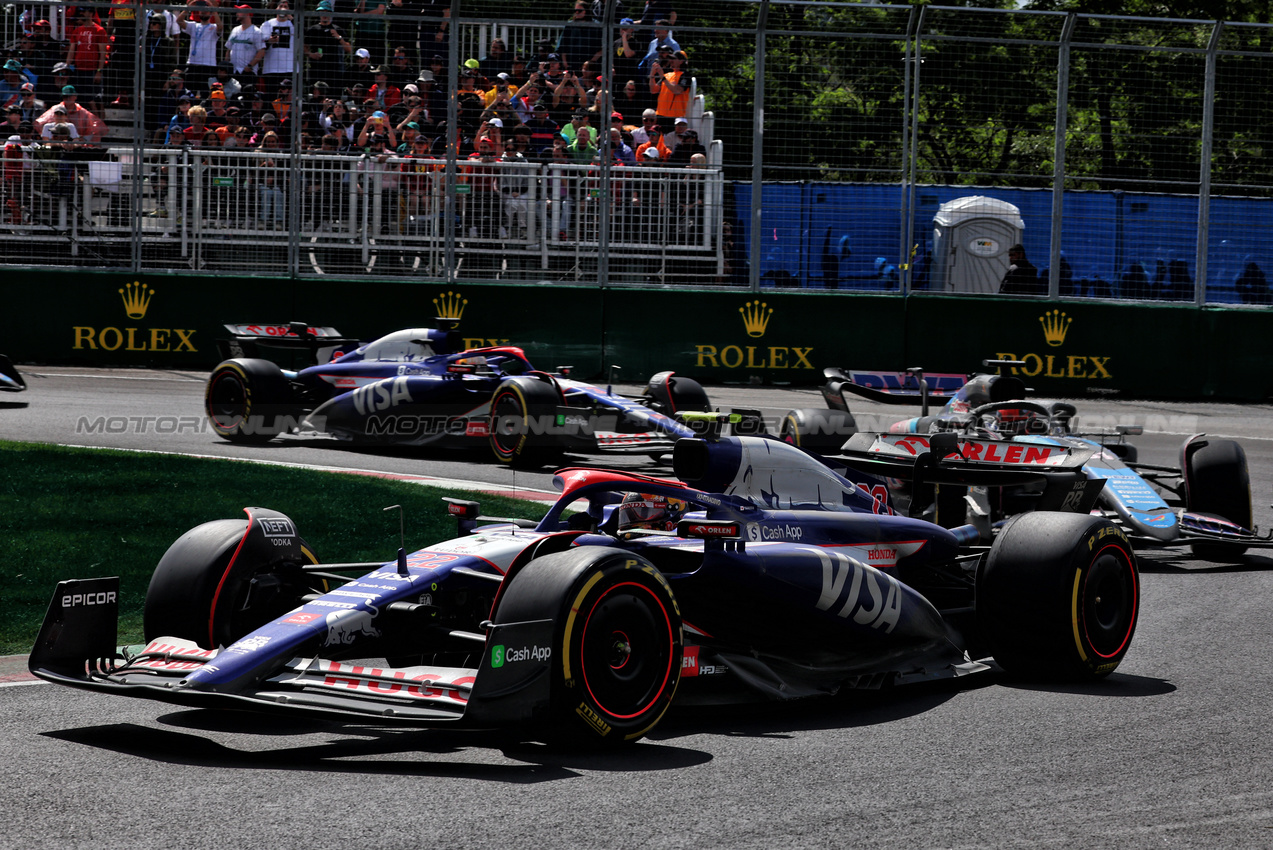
column 249, row 401
column 523, row 415
column 209, row 589
column 617, row 642
column 817, row 430
column 1217, row 482
column 1058, row 596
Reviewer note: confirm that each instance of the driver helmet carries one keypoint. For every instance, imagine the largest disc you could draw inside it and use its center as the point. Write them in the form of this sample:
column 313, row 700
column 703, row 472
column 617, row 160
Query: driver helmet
column 1020, row 420
column 649, row 510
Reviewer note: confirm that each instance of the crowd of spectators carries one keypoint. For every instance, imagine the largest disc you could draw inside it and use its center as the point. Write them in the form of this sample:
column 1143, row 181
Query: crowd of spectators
column 386, row 66
column 219, row 75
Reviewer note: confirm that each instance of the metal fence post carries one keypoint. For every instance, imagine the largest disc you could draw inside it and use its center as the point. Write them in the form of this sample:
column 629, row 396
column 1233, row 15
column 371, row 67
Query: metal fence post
column 1204, row 168
column 758, row 146
column 1058, row 158
column 910, row 142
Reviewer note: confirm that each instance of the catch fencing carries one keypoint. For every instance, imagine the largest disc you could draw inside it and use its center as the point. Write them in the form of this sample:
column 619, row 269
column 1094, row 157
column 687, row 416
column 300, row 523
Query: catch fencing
column 843, row 142
column 251, row 211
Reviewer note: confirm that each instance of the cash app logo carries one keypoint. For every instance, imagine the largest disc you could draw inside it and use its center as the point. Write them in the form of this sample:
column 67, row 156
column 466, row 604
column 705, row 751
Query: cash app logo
column 497, row 656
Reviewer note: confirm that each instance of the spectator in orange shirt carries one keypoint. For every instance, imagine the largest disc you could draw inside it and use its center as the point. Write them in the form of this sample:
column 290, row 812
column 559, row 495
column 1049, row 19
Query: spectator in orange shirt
column 89, row 127
column 672, row 88
column 654, row 133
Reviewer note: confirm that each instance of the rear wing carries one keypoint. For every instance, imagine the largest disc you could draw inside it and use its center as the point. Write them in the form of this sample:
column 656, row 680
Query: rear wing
column 913, row 386
column 284, row 341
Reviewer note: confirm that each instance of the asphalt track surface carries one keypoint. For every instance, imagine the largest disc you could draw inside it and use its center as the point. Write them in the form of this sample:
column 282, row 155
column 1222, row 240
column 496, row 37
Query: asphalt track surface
column 1172, row 750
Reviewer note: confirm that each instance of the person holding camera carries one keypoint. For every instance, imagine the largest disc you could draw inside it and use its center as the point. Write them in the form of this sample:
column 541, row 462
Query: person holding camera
column 673, row 90
column 279, row 33
column 412, row 109
column 377, row 135
column 568, row 96
column 326, row 47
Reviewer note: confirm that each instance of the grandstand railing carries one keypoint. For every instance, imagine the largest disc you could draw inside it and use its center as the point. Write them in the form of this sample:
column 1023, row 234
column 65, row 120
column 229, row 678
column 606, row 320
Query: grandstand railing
column 835, row 130
column 319, row 214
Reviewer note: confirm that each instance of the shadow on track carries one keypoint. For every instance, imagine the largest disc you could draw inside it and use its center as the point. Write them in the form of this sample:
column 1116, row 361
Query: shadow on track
column 1170, row 562
column 377, row 751
column 367, row 750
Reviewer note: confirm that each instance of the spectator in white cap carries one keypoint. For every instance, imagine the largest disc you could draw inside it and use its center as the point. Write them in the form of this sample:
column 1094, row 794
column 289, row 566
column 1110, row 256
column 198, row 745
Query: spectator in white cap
column 680, row 127
column 502, row 83
column 56, row 116
column 359, row 71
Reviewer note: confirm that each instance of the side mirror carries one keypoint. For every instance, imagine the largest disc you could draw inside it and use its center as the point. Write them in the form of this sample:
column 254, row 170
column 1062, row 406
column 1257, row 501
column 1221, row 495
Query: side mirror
column 943, row 444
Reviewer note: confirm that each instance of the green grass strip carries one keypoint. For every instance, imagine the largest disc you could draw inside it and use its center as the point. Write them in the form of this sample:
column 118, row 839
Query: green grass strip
column 81, row 513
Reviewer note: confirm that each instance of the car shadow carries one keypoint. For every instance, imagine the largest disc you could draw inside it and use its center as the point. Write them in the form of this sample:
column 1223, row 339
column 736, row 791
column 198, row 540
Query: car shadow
column 1113, row 685
column 1166, row 561
column 368, row 750
column 186, row 737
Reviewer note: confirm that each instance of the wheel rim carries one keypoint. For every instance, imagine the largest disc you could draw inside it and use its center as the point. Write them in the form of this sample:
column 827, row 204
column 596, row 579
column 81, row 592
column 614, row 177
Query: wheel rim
column 626, row 651
column 508, row 418
column 227, row 401
column 1108, row 603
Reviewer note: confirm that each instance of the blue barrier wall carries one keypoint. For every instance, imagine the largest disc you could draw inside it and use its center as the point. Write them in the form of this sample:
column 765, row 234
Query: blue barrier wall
column 850, row 236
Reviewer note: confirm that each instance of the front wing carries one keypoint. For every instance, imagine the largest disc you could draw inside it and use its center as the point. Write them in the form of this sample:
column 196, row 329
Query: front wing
column 76, row 647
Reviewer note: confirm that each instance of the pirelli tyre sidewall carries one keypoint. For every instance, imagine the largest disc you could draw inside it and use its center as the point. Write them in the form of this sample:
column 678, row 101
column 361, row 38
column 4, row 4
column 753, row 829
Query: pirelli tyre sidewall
column 203, row 587
column 523, row 412
column 817, row 430
column 618, row 641
column 247, row 401
column 1058, row 596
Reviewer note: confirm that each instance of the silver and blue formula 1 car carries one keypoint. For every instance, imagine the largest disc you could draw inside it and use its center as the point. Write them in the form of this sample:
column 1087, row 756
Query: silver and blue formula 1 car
column 1205, row 502
column 418, row 386
column 760, row 574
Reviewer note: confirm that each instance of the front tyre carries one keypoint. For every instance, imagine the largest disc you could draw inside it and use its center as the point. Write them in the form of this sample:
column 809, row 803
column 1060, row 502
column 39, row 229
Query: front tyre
column 249, row 401
column 817, row 430
column 670, row 394
column 1058, row 596
column 523, row 418
column 226, row 578
column 1217, row 482
column 618, row 641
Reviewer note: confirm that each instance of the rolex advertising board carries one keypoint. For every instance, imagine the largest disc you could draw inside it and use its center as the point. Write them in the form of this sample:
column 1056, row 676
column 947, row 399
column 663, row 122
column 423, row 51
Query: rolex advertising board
column 739, row 337
column 1070, row 349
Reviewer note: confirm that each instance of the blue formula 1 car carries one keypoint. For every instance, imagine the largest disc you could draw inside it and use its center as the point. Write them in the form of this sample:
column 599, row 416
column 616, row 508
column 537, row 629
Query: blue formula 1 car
column 1205, row 502
column 419, row 387
column 760, row 574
